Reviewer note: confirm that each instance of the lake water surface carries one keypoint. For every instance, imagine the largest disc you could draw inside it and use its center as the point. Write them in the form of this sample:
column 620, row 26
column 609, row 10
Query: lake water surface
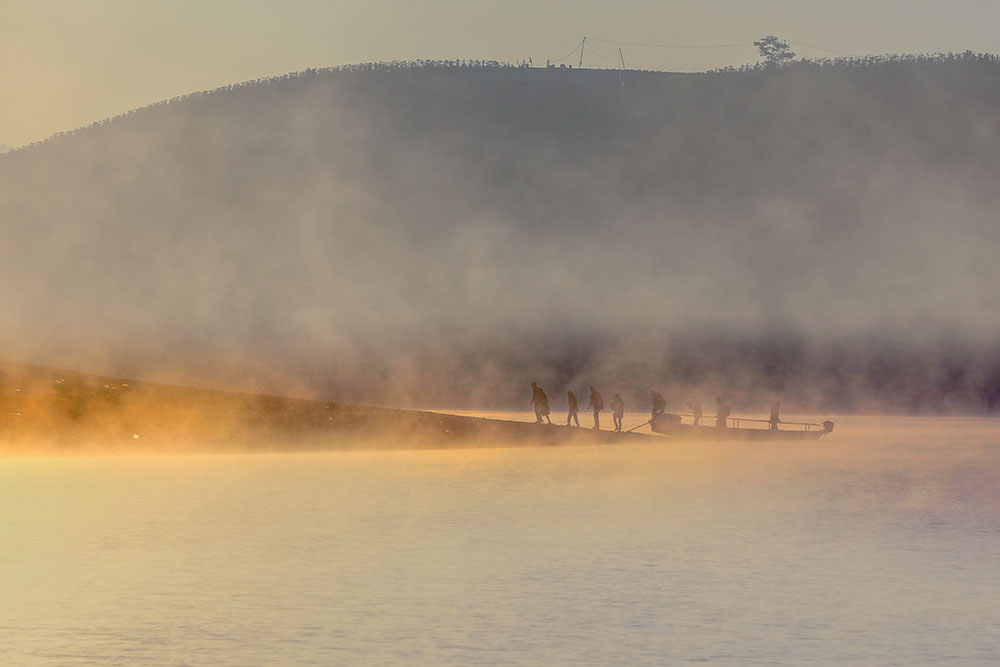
column 879, row 545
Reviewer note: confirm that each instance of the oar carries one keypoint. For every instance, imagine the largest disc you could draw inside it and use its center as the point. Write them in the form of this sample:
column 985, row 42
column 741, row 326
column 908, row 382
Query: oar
column 639, row 426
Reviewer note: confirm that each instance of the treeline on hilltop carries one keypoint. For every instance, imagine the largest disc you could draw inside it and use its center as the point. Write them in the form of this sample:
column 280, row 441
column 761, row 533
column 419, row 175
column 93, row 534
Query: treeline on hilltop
column 875, row 60
column 843, row 62
column 381, row 66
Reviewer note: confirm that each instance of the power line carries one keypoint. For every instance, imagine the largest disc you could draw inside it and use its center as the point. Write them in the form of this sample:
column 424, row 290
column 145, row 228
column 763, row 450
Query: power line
column 818, row 48
column 710, row 46
column 671, row 46
column 595, row 52
column 575, row 49
column 584, row 44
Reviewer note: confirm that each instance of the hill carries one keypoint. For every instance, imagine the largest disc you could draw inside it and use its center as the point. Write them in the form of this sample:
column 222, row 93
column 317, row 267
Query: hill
column 443, row 234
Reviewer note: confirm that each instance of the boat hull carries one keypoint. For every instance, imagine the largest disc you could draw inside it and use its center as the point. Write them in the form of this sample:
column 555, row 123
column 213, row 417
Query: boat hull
column 664, row 425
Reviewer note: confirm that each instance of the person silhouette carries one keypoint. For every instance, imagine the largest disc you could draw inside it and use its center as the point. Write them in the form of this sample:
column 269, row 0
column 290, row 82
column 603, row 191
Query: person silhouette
column 541, row 402
column 617, row 411
column 774, row 415
column 695, row 406
column 721, row 412
column 574, row 408
column 597, row 404
column 659, row 405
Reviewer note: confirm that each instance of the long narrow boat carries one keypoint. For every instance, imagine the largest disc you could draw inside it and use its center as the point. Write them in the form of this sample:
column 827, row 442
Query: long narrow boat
column 737, row 428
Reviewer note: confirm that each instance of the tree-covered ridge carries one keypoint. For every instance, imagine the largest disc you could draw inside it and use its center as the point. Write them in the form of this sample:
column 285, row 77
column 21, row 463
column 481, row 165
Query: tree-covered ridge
column 381, row 66
column 876, row 60
column 844, row 62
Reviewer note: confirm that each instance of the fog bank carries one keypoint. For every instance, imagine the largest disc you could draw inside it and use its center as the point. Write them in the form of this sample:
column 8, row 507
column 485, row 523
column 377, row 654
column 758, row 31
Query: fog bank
column 444, row 235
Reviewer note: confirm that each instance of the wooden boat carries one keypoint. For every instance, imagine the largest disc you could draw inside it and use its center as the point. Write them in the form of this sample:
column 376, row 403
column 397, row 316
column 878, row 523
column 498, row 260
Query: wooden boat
column 737, row 428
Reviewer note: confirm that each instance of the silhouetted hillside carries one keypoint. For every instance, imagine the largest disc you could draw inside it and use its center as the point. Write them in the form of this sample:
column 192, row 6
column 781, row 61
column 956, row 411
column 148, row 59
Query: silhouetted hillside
column 446, row 234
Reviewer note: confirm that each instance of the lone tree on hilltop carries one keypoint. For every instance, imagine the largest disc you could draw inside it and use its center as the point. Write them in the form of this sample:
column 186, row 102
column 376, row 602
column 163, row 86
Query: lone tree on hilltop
column 774, row 51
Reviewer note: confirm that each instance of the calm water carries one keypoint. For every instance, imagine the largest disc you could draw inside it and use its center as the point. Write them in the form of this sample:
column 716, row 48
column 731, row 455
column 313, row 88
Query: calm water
column 878, row 546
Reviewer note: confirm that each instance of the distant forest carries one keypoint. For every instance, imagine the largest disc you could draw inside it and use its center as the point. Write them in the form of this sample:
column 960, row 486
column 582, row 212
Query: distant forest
column 445, row 232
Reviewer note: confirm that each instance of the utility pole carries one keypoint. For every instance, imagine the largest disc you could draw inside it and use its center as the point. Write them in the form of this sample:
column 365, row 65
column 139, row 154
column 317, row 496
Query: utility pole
column 621, row 74
column 583, row 45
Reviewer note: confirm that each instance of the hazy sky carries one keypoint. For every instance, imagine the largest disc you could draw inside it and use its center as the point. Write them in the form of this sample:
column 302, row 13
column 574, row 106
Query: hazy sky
column 65, row 63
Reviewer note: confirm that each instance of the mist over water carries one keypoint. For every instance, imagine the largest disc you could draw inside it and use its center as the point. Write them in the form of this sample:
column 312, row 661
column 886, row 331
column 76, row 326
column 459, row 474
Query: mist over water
column 445, row 235
column 440, row 235
column 875, row 546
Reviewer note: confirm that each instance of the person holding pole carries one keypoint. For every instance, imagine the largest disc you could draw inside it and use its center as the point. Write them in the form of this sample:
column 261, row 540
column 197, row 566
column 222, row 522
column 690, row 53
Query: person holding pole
column 596, row 404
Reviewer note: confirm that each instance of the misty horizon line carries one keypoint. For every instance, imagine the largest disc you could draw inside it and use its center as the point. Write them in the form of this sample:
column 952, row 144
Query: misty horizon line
column 676, row 401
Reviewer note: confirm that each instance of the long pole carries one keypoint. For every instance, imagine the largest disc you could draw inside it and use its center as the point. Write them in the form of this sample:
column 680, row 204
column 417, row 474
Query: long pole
column 639, row 426
column 583, row 45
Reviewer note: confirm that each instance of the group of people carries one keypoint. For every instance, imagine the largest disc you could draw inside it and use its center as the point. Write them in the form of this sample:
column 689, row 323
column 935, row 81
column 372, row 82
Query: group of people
column 596, row 404
column 541, row 402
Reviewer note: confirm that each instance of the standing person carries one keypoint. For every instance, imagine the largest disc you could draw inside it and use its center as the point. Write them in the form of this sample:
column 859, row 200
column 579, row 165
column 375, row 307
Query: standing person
column 617, row 411
column 574, row 407
column 774, row 415
column 541, row 402
column 597, row 404
column 659, row 405
column 721, row 412
column 695, row 405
